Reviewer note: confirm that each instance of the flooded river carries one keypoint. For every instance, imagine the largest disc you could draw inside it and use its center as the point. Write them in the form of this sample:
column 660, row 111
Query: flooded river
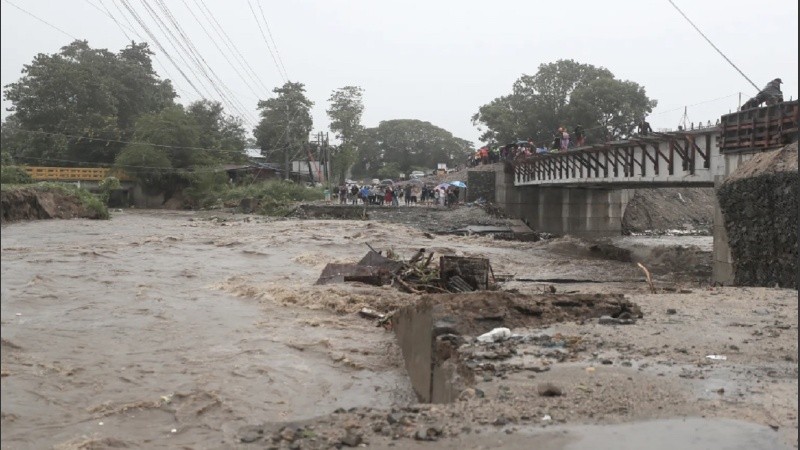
column 161, row 329
column 117, row 331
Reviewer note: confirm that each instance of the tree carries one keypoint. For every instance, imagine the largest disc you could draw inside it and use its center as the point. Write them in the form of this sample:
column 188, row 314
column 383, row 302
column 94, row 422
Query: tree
column 218, row 131
column 614, row 107
column 560, row 94
column 406, row 144
column 73, row 102
column 285, row 123
column 346, row 108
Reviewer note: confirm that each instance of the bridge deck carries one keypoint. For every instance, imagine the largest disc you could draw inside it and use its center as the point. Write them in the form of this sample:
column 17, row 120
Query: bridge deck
column 679, row 159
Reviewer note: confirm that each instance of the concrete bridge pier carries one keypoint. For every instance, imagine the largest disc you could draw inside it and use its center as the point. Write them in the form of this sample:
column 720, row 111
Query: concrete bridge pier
column 578, row 211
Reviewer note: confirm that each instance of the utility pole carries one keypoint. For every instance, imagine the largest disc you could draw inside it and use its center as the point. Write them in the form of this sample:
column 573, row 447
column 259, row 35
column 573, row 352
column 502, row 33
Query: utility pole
column 288, row 148
column 327, row 153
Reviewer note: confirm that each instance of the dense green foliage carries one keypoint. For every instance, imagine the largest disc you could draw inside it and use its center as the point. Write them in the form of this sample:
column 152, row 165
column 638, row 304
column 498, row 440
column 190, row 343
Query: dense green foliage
column 404, row 145
column 345, row 111
column 275, row 197
column 565, row 93
column 81, row 106
column 106, row 187
column 285, row 122
column 14, row 175
column 67, row 105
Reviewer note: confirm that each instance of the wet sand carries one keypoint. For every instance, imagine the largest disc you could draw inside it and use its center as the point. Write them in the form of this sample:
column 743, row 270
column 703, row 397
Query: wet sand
column 162, row 329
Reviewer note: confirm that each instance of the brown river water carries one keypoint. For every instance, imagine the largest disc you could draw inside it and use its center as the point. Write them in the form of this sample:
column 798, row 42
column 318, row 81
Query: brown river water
column 161, row 329
column 118, row 330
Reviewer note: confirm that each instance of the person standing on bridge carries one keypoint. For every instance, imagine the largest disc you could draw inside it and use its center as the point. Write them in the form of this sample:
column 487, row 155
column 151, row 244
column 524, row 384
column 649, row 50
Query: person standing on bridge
column 579, row 136
column 564, row 139
column 644, row 127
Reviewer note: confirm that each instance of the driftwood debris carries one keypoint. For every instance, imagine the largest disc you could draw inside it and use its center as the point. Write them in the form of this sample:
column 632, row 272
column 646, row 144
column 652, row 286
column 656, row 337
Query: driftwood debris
column 649, row 279
column 416, row 275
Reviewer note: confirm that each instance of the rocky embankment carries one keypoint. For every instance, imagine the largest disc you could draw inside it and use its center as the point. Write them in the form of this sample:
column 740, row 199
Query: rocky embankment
column 660, row 210
column 759, row 205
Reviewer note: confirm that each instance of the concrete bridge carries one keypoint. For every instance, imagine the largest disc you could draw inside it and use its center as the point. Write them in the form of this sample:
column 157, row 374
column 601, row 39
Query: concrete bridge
column 584, row 192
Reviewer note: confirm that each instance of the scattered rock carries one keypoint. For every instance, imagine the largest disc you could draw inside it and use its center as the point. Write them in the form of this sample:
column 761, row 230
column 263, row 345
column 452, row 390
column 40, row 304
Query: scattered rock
column 429, row 434
column 672, row 311
column 608, row 320
column 352, row 439
column 288, row 434
column 250, row 434
column 549, row 390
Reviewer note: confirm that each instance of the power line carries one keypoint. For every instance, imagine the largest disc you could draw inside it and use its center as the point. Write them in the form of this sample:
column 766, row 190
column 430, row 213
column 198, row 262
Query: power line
column 41, row 20
column 158, row 44
column 712, row 44
column 123, row 28
column 117, row 141
column 114, row 165
column 215, row 25
column 274, row 44
column 695, row 104
column 203, row 65
column 266, row 41
column 225, row 55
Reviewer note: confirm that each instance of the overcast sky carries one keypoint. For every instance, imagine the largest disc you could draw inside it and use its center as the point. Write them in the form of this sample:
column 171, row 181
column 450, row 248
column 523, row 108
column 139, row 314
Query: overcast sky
column 440, row 60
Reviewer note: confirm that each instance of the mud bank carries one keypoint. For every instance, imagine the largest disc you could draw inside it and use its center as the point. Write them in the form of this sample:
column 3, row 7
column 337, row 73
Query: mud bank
column 660, row 210
column 42, row 202
column 759, row 204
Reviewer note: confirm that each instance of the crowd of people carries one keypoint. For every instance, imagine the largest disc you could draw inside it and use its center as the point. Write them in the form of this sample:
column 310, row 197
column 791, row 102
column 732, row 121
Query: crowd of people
column 411, row 194
column 562, row 141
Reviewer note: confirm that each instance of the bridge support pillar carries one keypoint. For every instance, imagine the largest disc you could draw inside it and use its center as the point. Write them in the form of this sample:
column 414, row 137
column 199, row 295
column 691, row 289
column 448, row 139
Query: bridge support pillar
column 585, row 212
column 722, row 264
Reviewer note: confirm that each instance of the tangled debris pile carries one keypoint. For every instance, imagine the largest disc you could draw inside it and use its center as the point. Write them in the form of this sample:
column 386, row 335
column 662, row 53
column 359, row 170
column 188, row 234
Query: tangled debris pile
column 417, row 275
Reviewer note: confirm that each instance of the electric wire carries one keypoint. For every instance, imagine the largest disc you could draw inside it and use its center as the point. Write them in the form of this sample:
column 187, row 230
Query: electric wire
column 41, row 20
column 274, row 44
column 712, row 44
column 123, row 28
column 155, row 40
column 229, row 96
column 119, row 141
column 226, row 39
column 222, row 52
column 266, row 41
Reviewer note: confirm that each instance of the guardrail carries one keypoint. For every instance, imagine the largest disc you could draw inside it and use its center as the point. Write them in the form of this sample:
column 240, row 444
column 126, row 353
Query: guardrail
column 74, row 173
column 669, row 158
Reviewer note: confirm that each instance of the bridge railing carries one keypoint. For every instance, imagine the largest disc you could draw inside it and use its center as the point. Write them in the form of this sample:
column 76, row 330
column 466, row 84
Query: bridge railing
column 659, row 155
column 74, row 173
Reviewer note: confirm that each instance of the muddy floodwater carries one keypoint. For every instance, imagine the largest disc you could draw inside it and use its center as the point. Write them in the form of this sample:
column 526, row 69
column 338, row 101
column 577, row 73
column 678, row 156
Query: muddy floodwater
column 118, row 329
column 161, row 329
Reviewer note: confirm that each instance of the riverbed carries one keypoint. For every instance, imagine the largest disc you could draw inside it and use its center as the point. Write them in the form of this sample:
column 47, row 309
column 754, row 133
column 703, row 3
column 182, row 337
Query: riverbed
column 161, row 329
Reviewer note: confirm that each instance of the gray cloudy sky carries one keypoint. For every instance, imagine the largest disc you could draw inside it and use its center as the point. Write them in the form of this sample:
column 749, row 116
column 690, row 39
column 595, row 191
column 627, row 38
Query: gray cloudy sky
column 440, row 60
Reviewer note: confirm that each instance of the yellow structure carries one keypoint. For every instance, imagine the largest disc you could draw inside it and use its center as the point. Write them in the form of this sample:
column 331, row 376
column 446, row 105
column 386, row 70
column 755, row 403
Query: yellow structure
column 74, row 173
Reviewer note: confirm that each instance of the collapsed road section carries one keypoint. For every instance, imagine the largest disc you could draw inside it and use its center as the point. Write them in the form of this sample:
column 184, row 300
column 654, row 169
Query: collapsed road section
column 462, row 302
column 433, row 331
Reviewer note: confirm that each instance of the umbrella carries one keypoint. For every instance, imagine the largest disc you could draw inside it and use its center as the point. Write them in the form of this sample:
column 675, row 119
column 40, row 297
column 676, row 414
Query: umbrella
column 415, row 181
column 387, row 181
column 443, row 186
column 458, row 184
